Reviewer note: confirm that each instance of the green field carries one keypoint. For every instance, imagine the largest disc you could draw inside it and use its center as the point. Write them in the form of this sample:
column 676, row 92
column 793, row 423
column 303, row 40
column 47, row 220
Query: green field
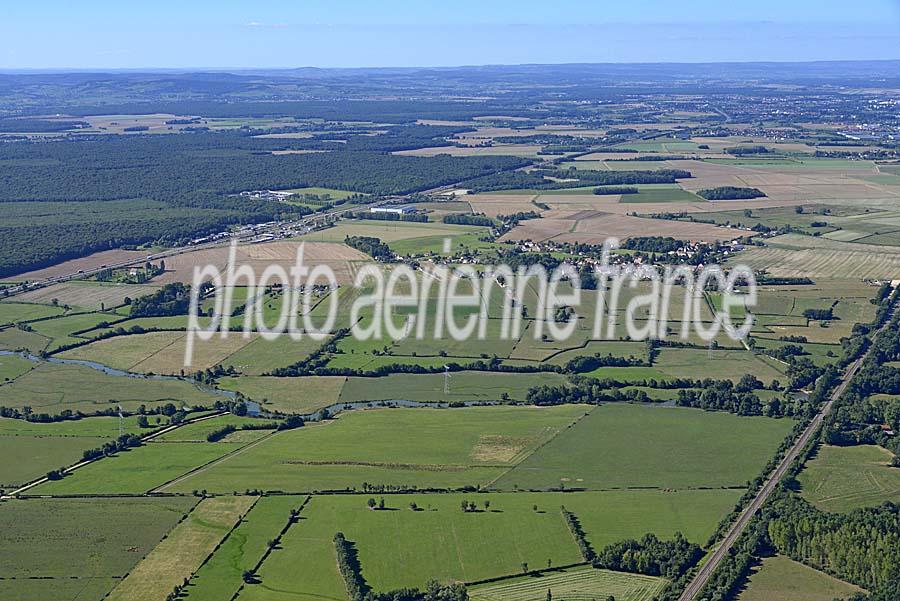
column 220, row 576
column 138, row 470
column 782, row 579
column 575, row 584
column 439, row 541
column 288, row 395
column 50, row 388
column 85, row 538
column 12, row 312
column 464, row 386
column 620, row 446
column 846, row 478
column 437, row 447
column 27, row 458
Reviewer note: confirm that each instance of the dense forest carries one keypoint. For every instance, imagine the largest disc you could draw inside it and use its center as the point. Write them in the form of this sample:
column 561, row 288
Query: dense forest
column 538, row 179
column 730, row 193
column 171, row 188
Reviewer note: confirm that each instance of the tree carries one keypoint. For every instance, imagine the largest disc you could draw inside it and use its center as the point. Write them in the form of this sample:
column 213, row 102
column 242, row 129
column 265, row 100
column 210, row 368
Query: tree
column 143, row 422
column 371, row 503
column 381, row 503
column 487, row 504
column 247, row 577
column 549, row 595
column 524, row 567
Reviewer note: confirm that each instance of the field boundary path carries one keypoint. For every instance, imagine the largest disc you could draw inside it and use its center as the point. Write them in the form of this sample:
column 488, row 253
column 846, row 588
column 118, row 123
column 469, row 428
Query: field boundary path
column 740, row 524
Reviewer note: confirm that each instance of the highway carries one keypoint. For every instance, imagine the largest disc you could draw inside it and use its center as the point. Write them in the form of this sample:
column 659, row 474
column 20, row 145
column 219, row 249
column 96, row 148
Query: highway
column 738, row 527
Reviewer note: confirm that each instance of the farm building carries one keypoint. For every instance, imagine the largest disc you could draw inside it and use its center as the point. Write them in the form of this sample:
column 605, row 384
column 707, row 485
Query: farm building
column 399, row 210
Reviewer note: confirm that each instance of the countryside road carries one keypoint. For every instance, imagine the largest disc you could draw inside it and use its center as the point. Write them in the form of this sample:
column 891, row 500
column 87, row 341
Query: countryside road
column 738, row 527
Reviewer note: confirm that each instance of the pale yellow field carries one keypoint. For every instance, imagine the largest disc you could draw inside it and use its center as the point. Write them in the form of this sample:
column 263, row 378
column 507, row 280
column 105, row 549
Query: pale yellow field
column 179, row 555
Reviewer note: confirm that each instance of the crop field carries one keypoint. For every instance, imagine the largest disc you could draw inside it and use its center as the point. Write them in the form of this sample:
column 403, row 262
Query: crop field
column 47, row 539
column 823, row 263
column 440, row 447
column 180, row 268
column 690, row 448
column 386, row 231
column 90, row 262
column 782, row 579
column 845, row 478
column 577, row 584
column 51, row 388
column 184, row 549
column 92, row 296
column 13, row 366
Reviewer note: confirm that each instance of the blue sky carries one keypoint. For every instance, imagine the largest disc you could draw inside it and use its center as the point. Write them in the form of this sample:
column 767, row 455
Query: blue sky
column 351, row 33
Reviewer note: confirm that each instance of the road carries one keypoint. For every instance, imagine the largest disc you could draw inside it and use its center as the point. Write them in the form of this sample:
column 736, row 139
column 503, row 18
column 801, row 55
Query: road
column 738, row 527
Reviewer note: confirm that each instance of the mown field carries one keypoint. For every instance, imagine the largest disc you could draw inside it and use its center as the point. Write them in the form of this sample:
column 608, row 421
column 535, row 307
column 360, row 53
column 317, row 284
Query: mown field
column 845, row 478
column 624, row 446
column 782, row 579
column 577, row 584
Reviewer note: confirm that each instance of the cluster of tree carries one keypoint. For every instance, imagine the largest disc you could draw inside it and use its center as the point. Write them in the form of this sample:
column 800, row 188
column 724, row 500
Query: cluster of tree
column 171, row 299
column 410, row 217
column 558, row 179
column 514, row 219
column 580, row 365
column 123, row 442
column 861, row 546
column 651, row 556
column 738, row 399
column 39, row 126
column 372, row 246
column 819, row 314
column 730, row 193
column 655, row 244
column 603, row 190
column 787, row 352
column 742, row 150
column 220, row 433
column 574, row 525
column 462, row 219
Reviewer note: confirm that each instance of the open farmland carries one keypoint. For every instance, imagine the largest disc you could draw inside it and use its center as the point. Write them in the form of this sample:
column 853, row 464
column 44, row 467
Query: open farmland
column 846, row 478
column 691, row 448
column 181, row 553
column 51, row 388
column 49, row 540
column 441, row 448
column 782, row 579
column 94, row 296
column 577, row 584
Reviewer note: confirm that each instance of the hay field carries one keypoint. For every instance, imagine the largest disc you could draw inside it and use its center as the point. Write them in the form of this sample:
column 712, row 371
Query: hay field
column 339, row 257
column 823, row 263
column 573, row 584
column 502, row 204
column 595, row 226
column 87, row 295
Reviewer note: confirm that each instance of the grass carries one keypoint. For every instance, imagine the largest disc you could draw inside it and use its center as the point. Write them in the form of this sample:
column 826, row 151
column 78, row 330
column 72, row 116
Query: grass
column 845, row 478
column 11, row 367
column 197, row 432
column 573, row 584
column 621, row 445
column 27, row 458
column 782, row 579
column 88, row 538
column 11, row 312
column 464, row 386
column 439, row 541
column 181, row 553
column 423, row 447
column 12, row 339
column 50, row 388
column 288, row 395
column 221, row 576
column 61, row 329
column 138, row 470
